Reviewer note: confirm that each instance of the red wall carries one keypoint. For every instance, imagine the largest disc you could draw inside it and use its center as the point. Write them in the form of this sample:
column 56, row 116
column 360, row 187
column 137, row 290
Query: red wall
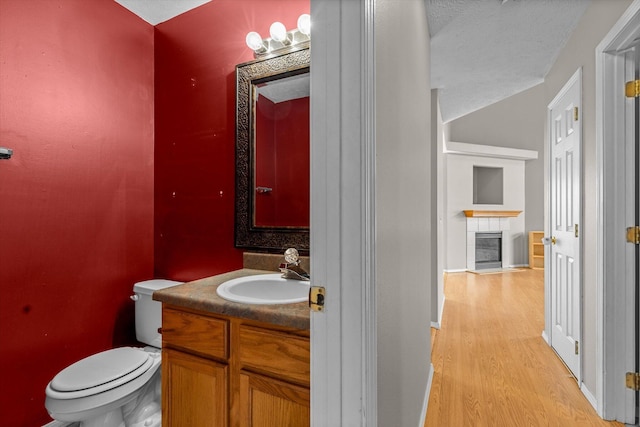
column 76, row 199
column 196, row 54
column 265, row 160
column 283, row 166
column 77, row 89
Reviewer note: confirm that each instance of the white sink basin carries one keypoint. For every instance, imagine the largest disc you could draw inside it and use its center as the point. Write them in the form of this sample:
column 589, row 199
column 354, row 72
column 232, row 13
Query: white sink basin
column 264, row 289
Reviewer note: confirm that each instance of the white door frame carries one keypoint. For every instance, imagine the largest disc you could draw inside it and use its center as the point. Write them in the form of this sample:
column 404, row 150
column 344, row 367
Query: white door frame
column 576, row 79
column 615, row 352
column 343, row 337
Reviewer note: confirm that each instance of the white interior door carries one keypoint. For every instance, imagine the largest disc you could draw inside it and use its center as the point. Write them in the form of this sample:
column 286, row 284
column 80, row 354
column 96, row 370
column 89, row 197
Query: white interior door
column 566, row 287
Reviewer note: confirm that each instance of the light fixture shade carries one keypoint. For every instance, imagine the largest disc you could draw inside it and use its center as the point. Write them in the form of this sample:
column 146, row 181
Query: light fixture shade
column 254, row 41
column 304, row 24
column 278, row 32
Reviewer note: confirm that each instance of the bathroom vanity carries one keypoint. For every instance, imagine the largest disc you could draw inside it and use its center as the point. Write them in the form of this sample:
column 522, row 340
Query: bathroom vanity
column 232, row 364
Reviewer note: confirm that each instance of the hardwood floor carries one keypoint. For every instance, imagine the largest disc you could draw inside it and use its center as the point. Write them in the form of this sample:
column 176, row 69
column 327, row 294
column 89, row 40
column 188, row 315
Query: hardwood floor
column 492, row 367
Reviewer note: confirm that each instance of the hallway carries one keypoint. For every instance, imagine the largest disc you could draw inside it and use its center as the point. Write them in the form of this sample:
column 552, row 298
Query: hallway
column 492, row 367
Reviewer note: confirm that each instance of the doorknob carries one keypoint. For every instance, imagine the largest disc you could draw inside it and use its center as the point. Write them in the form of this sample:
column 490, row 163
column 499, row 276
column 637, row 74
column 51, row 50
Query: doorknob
column 549, row 240
column 553, row 240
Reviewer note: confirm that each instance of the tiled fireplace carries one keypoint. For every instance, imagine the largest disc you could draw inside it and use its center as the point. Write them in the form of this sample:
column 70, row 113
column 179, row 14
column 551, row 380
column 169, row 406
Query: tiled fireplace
column 489, row 225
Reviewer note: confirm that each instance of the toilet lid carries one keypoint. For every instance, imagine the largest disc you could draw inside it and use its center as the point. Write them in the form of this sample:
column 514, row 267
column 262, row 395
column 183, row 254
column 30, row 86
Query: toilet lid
column 101, row 368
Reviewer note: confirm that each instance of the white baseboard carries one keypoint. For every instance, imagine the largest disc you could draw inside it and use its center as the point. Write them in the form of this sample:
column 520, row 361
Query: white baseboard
column 545, row 337
column 590, row 397
column 56, row 424
column 456, row 270
column 423, row 416
column 435, row 325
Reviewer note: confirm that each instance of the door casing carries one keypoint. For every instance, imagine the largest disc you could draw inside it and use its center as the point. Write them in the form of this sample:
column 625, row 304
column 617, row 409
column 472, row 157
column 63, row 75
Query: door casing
column 615, row 317
column 343, row 337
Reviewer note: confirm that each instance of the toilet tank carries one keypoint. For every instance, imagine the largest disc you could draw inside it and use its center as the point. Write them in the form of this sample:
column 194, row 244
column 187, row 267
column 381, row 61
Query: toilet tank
column 148, row 311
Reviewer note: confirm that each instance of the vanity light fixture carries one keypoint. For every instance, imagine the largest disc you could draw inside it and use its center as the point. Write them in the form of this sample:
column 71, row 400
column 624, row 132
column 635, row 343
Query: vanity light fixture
column 255, row 43
column 280, row 37
column 278, row 32
column 304, row 24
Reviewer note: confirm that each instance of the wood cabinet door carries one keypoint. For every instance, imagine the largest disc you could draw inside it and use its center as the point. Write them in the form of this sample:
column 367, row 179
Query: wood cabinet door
column 194, row 391
column 266, row 402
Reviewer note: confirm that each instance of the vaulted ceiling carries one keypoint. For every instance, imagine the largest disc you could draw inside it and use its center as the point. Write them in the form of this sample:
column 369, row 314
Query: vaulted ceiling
column 482, row 51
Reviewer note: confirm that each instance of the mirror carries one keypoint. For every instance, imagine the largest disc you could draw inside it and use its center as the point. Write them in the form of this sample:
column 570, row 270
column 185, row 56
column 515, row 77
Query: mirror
column 272, row 152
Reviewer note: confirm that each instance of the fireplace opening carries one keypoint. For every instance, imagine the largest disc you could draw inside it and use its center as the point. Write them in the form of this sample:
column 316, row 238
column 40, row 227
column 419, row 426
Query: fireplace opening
column 488, row 250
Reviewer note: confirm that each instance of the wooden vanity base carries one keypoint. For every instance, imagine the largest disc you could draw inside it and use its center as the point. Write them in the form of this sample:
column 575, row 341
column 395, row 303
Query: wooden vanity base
column 227, row 371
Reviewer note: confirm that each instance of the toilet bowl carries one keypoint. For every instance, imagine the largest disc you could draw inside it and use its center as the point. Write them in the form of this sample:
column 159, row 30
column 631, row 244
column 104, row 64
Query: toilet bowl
column 101, row 384
column 118, row 387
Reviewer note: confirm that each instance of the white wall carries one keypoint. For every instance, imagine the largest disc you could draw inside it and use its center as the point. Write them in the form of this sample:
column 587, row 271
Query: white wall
column 459, row 189
column 403, row 210
column 513, row 123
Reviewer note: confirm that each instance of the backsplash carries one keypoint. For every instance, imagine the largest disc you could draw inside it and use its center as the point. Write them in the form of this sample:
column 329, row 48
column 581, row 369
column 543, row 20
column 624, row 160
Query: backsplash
column 270, row 262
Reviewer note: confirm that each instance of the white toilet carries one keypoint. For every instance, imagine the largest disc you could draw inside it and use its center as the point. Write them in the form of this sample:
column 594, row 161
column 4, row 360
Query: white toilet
column 118, row 387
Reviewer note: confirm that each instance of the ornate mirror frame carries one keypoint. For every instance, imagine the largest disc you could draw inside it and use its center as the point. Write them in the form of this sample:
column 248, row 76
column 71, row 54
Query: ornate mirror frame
column 270, row 239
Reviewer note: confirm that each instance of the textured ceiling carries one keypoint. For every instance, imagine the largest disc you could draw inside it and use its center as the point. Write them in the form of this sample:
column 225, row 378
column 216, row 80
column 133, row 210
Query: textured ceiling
column 482, row 51
column 292, row 87
column 157, row 11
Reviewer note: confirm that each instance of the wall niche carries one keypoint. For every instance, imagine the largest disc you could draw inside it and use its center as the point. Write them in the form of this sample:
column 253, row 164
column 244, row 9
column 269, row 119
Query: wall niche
column 488, row 185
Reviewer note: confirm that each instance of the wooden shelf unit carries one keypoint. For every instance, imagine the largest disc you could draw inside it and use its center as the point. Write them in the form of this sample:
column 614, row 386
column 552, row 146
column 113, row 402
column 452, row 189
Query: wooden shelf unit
column 536, row 250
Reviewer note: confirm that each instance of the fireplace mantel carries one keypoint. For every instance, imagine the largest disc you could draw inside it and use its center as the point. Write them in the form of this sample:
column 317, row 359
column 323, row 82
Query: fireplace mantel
column 490, row 214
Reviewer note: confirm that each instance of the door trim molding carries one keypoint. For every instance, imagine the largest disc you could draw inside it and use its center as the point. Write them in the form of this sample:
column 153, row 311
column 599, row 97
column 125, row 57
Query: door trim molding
column 343, row 337
column 615, row 352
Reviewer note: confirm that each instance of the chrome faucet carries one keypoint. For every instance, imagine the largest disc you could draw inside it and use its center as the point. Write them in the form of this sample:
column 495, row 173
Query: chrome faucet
column 291, row 268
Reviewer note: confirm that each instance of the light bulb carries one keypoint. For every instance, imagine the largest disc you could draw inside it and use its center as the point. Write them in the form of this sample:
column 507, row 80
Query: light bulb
column 278, row 32
column 254, row 41
column 304, row 24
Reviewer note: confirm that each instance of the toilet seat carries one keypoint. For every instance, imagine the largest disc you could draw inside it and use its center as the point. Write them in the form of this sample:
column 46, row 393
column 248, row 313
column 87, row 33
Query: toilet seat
column 100, row 372
column 88, row 403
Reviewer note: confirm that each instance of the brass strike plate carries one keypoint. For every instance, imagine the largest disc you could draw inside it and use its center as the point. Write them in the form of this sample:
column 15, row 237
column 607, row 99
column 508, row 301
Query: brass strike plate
column 316, row 298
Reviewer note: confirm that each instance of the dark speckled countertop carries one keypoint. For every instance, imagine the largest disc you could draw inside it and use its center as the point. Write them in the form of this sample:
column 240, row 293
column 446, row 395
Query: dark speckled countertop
column 201, row 295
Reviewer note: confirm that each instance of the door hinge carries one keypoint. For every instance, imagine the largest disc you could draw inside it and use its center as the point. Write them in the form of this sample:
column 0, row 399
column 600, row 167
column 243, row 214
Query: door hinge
column 577, row 347
column 632, row 89
column 316, row 298
column 633, row 235
column 633, row 381
column 576, row 115
column 576, row 230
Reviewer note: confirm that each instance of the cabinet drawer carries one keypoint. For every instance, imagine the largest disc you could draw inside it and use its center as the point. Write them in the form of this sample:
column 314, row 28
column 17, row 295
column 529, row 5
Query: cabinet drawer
column 283, row 355
column 196, row 333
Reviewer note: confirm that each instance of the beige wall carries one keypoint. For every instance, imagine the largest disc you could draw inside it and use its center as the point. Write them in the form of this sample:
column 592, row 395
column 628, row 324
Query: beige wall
column 522, row 120
column 403, row 210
